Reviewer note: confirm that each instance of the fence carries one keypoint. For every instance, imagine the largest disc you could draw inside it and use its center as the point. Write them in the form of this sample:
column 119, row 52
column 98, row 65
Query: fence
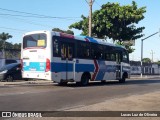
column 147, row 68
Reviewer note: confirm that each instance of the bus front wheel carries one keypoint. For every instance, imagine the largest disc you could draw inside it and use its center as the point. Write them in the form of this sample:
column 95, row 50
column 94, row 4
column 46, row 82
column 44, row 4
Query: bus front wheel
column 123, row 80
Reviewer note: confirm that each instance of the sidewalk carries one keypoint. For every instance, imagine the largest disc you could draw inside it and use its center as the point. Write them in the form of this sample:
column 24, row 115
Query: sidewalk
column 144, row 76
column 30, row 82
column 140, row 102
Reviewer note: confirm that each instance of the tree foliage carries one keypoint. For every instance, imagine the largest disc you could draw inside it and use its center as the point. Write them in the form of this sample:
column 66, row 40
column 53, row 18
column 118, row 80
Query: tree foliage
column 63, row 31
column 5, row 36
column 158, row 62
column 7, row 45
column 114, row 21
column 146, row 60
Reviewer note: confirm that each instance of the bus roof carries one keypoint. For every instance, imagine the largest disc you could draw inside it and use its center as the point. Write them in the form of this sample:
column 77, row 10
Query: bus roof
column 78, row 37
column 87, row 39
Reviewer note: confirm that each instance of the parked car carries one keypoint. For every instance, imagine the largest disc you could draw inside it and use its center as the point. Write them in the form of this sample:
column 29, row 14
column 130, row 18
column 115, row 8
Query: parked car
column 4, row 62
column 11, row 72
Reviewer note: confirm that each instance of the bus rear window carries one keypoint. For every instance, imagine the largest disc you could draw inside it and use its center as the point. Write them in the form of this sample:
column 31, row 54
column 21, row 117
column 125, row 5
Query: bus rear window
column 34, row 40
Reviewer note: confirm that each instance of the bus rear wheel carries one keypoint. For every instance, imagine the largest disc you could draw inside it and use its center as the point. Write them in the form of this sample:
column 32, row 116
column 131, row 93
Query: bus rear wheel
column 84, row 80
column 62, row 83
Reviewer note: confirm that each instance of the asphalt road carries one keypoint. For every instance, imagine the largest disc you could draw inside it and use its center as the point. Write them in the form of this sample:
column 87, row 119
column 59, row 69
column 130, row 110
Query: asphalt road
column 51, row 97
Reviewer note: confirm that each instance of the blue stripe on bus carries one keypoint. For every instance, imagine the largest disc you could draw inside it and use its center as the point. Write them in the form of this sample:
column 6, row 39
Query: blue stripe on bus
column 58, row 67
column 62, row 67
column 84, row 67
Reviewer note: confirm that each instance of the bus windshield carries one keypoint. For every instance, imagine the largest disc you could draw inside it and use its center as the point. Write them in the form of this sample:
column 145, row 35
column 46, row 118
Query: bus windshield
column 34, row 40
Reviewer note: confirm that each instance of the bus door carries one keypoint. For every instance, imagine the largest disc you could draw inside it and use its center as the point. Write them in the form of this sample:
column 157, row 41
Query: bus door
column 67, row 54
column 118, row 64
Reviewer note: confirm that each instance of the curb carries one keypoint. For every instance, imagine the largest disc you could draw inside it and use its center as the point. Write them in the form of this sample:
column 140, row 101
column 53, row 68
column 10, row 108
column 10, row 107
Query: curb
column 35, row 82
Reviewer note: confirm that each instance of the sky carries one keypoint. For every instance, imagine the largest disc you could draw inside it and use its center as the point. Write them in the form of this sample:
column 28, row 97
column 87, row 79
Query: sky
column 62, row 13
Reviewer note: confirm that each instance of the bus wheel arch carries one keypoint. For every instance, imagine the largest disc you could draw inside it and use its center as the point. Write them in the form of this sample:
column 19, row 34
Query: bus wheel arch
column 124, row 76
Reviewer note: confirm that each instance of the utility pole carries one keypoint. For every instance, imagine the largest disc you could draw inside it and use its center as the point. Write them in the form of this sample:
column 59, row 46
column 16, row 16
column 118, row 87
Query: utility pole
column 152, row 55
column 90, row 3
column 142, row 50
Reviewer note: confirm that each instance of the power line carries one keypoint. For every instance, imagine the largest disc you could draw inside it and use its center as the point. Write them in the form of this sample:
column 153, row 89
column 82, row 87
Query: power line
column 14, row 29
column 34, row 15
column 23, row 12
column 15, row 15
column 22, row 15
column 97, row 3
column 28, row 21
column 87, row 2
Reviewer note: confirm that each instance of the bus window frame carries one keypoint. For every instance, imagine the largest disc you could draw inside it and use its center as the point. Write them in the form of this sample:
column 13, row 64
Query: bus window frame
column 110, row 50
column 62, row 40
column 53, row 46
column 127, row 59
column 31, row 35
column 78, row 49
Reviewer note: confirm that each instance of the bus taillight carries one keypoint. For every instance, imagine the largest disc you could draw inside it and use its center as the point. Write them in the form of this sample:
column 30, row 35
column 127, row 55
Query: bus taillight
column 48, row 65
column 22, row 64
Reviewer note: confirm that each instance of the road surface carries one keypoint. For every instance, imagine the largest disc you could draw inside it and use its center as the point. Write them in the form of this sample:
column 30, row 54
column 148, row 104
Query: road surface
column 51, row 97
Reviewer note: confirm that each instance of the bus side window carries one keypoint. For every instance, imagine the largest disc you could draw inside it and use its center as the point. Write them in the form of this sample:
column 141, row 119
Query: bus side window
column 70, row 52
column 113, row 57
column 95, row 51
column 83, row 50
column 100, row 52
column 56, row 51
column 107, row 56
column 125, row 57
column 63, row 51
column 118, row 57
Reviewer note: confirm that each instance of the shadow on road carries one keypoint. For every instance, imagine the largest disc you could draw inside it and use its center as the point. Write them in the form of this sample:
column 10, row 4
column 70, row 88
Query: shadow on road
column 91, row 84
column 111, row 83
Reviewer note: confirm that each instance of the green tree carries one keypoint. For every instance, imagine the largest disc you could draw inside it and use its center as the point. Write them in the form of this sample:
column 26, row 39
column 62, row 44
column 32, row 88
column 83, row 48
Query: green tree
column 114, row 21
column 3, row 38
column 158, row 62
column 8, row 45
column 63, row 31
column 17, row 46
column 147, row 60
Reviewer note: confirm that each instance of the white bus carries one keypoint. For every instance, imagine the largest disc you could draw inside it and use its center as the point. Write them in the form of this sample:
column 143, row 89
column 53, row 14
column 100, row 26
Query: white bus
column 65, row 58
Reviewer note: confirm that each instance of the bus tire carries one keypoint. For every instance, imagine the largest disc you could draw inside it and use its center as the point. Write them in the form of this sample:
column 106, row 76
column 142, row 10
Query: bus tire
column 84, row 80
column 123, row 80
column 62, row 83
column 103, row 81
